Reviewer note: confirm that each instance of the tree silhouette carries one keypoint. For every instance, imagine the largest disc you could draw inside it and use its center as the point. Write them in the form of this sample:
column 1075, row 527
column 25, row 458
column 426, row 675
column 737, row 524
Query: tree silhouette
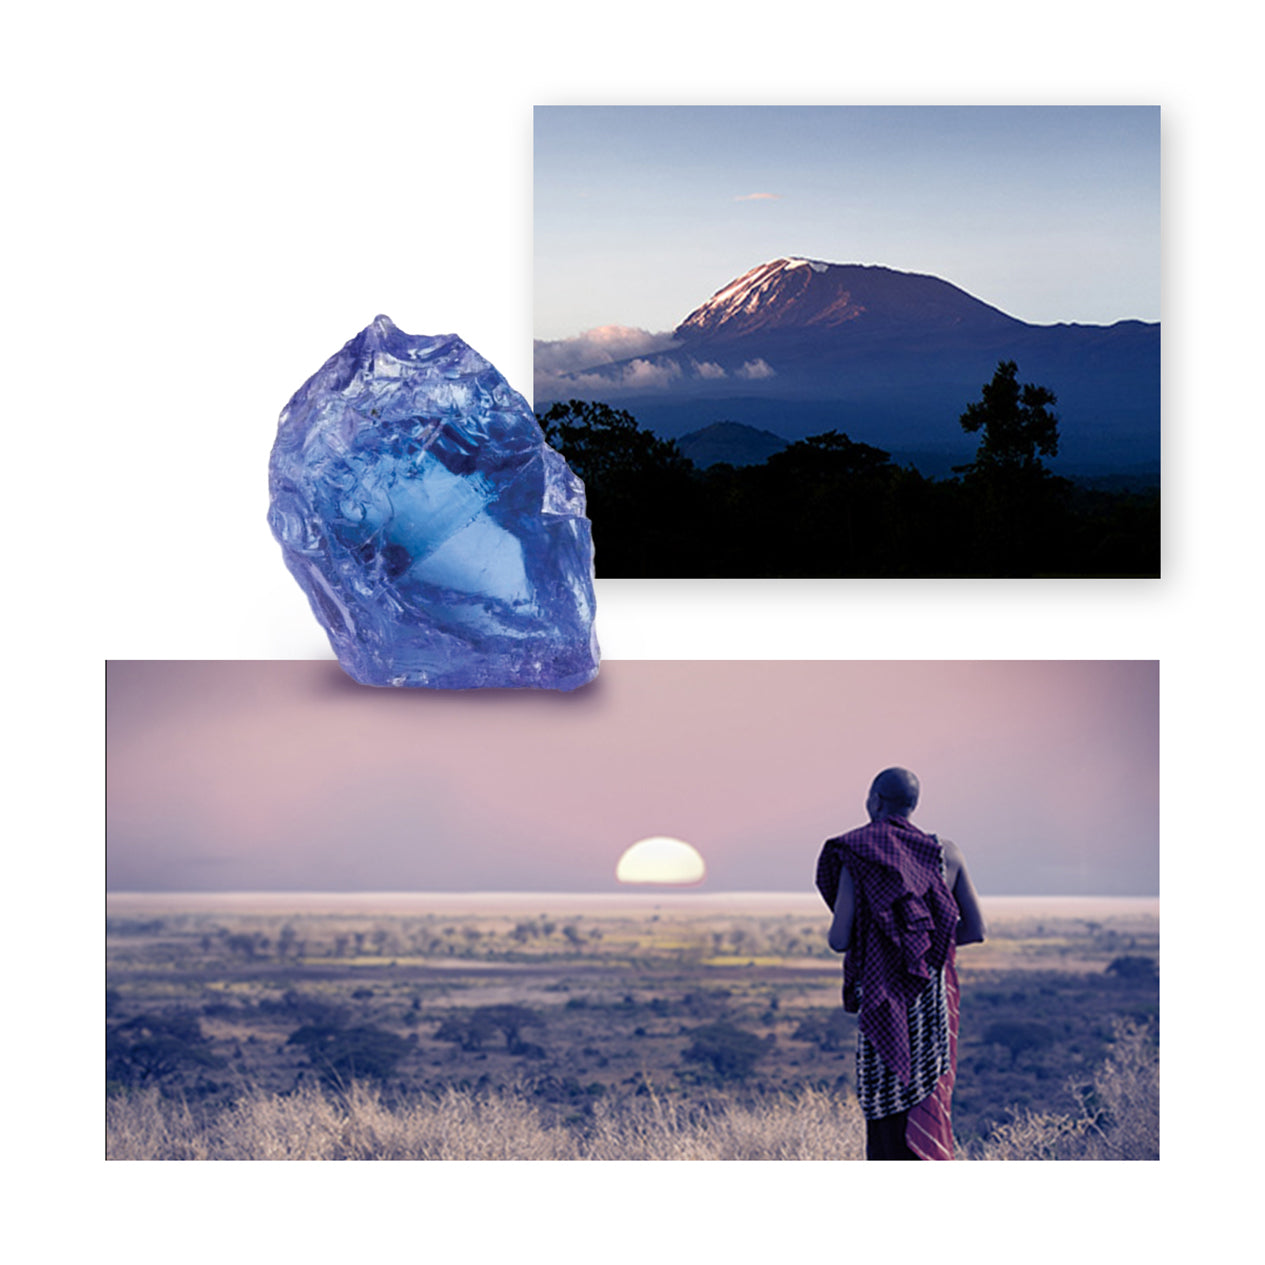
column 830, row 506
column 832, row 494
column 1016, row 422
column 640, row 489
column 1019, row 507
column 602, row 444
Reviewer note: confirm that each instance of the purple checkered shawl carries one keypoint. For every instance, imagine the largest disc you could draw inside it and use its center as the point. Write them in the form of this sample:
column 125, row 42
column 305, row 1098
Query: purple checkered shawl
column 904, row 926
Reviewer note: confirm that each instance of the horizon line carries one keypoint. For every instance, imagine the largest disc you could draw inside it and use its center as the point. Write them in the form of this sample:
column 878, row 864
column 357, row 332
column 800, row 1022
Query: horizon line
column 631, row 890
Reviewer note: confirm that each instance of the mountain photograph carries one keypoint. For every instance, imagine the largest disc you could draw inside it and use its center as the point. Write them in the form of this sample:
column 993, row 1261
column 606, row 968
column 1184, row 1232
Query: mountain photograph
column 822, row 418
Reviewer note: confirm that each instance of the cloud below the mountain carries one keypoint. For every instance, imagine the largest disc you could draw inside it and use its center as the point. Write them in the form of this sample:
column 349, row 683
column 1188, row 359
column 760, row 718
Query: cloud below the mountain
column 602, row 346
column 615, row 360
column 605, row 362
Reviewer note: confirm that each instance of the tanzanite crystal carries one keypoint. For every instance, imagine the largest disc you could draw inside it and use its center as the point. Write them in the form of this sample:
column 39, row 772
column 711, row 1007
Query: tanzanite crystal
column 439, row 539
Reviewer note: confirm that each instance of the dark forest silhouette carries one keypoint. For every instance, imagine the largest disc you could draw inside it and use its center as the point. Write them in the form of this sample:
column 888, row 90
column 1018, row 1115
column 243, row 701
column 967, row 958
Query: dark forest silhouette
column 826, row 506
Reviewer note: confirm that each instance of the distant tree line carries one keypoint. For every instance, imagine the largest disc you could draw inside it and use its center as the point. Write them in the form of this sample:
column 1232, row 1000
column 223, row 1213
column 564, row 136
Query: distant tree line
column 827, row 506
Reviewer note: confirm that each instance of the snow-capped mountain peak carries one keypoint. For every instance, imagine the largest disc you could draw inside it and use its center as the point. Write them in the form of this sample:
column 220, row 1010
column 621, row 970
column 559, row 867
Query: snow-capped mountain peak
column 795, row 293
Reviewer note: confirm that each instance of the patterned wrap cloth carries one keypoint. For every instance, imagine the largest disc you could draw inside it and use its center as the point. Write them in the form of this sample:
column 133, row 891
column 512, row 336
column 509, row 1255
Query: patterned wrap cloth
column 903, row 937
column 929, row 1127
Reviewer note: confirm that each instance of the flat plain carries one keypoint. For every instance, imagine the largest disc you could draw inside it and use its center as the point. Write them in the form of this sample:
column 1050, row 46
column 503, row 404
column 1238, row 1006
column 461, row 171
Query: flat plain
column 568, row 1001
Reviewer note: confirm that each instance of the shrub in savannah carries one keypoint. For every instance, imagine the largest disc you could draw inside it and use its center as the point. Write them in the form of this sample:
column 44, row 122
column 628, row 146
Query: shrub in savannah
column 730, row 1053
column 343, row 1055
column 1019, row 1035
column 304, row 1008
column 153, row 1048
column 466, row 1031
column 832, row 1031
column 470, row 1031
column 1133, row 968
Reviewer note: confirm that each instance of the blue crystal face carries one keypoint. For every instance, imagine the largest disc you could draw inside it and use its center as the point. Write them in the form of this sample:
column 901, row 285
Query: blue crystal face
column 440, row 541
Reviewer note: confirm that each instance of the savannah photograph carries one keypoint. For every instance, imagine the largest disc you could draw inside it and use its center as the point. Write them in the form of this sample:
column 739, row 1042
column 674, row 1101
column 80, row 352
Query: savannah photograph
column 847, row 341
column 353, row 924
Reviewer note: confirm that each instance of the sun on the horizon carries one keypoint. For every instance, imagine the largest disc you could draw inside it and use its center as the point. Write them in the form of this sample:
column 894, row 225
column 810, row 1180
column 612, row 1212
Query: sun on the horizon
column 660, row 859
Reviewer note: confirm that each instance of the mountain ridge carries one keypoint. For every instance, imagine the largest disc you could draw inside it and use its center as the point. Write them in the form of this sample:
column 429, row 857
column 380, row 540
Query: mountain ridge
column 797, row 346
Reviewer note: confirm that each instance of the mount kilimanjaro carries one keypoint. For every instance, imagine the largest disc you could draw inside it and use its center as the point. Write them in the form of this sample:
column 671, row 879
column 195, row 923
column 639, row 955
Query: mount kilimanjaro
column 799, row 346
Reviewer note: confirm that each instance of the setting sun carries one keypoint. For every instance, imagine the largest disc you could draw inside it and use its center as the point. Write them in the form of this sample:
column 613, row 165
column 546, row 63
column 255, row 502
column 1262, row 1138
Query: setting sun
column 660, row 860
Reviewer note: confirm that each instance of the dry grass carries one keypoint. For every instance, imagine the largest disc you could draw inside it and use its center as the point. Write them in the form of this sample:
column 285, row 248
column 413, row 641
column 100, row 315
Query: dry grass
column 1119, row 1121
column 312, row 1124
column 1119, row 1118
column 807, row 1126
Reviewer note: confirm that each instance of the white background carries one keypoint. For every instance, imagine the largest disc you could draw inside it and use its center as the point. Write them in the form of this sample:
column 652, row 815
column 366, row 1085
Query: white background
column 204, row 203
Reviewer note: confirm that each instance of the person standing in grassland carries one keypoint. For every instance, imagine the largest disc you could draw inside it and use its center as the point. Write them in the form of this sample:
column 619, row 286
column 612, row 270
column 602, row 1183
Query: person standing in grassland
column 902, row 902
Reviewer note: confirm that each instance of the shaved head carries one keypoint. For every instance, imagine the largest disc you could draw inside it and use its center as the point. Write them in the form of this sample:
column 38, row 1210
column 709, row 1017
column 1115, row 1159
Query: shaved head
column 894, row 792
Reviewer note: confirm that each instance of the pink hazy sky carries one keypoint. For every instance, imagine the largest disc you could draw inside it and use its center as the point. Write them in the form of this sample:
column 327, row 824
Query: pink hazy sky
column 282, row 775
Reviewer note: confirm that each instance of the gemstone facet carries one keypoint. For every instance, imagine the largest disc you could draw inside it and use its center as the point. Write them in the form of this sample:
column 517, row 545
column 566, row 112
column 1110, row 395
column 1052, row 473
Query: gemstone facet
column 440, row 541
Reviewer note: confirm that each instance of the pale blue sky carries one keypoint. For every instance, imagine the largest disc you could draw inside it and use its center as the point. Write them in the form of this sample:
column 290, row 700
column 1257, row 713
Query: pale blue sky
column 641, row 213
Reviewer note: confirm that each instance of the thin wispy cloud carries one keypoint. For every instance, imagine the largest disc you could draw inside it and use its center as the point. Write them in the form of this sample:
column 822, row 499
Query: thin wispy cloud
column 758, row 197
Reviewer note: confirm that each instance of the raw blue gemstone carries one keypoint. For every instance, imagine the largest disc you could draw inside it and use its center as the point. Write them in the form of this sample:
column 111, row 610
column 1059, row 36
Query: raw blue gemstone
column 439, row 539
